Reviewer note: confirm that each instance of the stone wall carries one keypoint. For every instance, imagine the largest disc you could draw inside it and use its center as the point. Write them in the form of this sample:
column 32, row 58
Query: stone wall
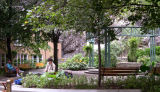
column 72, row 43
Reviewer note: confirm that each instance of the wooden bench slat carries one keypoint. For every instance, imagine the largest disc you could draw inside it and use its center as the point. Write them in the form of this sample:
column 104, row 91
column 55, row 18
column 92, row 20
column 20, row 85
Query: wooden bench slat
column 119, row 71
column 118, row 74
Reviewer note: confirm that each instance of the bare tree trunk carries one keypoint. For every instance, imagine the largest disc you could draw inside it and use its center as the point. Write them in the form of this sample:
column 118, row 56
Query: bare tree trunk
column 56, row 55
column 8, row 36
column 55, row 39
column 99, row 55
column 9, row 51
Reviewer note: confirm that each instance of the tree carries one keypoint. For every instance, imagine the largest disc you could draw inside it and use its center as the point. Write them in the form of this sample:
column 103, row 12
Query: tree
column 91, row 16
column 147, row 12
column 48, row 19
column 11, row 19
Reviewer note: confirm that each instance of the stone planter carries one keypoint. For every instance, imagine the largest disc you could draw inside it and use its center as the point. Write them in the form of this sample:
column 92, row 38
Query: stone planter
column 128, row 65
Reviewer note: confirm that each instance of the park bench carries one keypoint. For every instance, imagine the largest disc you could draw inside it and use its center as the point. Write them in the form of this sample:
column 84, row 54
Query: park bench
column 9, row 73
column 156, row 70
column 119, row 71
column 7, row 85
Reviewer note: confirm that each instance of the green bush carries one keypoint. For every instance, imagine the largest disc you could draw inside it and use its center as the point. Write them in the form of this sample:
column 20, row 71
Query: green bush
column 145, row 83
column 113, row 58
column 87, row 49
column 59, row 80
column 157, row 50
column 146, row 63
column 145, row 60
column 140, row 53
column 30, row 80
column 133, row 46
column 78, row 62
column 146, row 52
column 117, row 47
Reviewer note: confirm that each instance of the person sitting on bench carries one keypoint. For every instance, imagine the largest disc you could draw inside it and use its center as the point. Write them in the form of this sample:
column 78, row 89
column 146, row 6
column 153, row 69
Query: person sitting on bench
column 13, row 69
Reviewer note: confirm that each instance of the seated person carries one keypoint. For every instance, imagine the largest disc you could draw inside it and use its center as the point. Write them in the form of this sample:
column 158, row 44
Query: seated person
column 50, row 65
column 12, row 68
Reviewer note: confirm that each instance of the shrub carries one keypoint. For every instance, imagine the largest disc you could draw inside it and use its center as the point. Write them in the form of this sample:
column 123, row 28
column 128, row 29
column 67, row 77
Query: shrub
column 140, row 53
column 145, row 83
column 145, row 60
column 30, row 80
column 146, row 63
column 133, row 46
column 113, row 58
column 87, row 49
column 78, row 62
column 157, row 50
column 146, row 52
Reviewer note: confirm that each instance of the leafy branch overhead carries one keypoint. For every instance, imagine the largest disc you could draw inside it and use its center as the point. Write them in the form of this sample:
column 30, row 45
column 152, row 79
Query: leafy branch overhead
column 47, row 19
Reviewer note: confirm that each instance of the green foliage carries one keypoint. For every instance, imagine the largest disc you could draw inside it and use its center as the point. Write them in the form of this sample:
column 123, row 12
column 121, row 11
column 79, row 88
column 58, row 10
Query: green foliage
column 146, row 63
column 141, row 53
column 88, row 49
column 47, row 18
column 144, row 60
column 92, row 18
column 157, row 50
column 133, row 46
column 77, row 62
column 117, row 47
column 30, row 80
column 145, row 83
column 58, row 80
column 113, row 58
column 141, row 9
column 146, row 52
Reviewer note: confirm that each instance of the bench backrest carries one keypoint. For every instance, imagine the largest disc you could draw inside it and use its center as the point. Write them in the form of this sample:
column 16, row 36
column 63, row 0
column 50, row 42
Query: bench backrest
column 118, row 71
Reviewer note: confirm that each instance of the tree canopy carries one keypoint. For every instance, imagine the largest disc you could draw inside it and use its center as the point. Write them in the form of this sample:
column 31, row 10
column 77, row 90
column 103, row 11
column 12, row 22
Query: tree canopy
column 48, row 19
column 11, row 20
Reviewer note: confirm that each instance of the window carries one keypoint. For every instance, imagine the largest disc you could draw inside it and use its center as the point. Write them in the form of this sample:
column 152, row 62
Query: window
column 25, row 57
column 21, row 58
column 37, row 58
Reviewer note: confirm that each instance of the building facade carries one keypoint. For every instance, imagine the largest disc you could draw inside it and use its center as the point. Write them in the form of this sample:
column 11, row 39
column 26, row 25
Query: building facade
column 24, row 56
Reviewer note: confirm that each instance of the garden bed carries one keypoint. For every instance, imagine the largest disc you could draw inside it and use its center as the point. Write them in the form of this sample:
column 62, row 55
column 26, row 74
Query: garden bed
column 60, row 81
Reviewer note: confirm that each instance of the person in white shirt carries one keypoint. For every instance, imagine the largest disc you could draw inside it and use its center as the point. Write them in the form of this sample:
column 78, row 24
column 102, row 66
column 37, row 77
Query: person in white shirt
column 50, row 65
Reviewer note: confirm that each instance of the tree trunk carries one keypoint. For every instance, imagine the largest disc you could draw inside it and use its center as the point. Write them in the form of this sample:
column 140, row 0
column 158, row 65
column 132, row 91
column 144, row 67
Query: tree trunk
column 56, row 55
column 55, row 39
column 99, row 55
column 9, row 51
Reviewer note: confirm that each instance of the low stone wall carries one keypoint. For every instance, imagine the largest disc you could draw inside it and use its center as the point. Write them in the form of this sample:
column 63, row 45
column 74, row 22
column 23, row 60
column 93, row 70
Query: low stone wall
column 128, row 65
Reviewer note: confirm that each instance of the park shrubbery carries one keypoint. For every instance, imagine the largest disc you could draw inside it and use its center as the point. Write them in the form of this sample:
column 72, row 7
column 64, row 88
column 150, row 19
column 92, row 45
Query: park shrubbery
column 77, row 62
column 133, row 46
column 59, row 80
column 113, row 58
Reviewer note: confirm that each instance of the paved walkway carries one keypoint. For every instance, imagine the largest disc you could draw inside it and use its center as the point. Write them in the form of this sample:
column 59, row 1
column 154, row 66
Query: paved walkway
column 19, row 89
column 74, row 90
